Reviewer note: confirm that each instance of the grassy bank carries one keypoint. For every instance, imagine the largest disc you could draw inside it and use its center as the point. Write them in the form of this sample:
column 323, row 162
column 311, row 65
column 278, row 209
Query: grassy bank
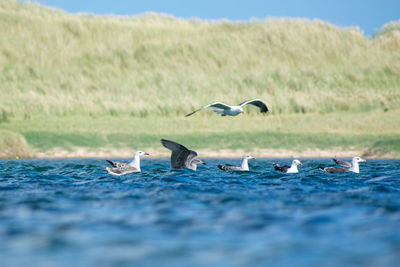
column 374, row 134
column 103, row 81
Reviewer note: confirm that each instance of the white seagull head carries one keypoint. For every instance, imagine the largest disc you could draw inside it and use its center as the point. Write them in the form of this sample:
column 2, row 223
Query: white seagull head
column 297, row 162
column 358, row 159
column 141, row 153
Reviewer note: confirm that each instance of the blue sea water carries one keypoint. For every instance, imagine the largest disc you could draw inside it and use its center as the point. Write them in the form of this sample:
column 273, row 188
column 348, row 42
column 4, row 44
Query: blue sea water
column 70, row 212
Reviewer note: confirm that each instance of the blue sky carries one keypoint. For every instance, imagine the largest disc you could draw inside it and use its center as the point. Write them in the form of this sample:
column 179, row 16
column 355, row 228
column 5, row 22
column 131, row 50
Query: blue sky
column 369, row 15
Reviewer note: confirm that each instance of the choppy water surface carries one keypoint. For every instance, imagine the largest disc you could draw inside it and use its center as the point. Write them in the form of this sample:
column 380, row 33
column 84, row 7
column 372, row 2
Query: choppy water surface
column 70, row 212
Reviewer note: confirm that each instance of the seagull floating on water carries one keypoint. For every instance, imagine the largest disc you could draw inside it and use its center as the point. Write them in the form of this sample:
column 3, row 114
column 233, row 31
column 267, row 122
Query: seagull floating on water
column 120, row 168
column 287, row 168
column 346, row 166
column 226, row 110
column 243, row 167
column 181, row 157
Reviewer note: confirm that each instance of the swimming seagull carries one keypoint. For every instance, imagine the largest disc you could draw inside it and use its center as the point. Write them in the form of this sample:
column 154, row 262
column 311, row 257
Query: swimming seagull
column 287, row 168
column 120, row 168
column 346, row 166
column 181, row 157
column 243, row 167
column 224, row 109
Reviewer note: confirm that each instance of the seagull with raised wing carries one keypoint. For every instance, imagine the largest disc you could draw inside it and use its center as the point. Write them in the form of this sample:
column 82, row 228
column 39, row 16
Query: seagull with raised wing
column 287, row 168
column 226, row 110
column 243, row 167
column 181, row 157
column 345, row 166
column 120, row 168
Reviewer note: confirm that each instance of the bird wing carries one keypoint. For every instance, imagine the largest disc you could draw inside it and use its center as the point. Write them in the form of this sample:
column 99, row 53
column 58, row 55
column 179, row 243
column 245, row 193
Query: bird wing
column 283, row 168
column 124, row 169
column 113, row 163
column 229, row 168
column 180, row 154
column 256, row 102
column 342, row 163
column 118, row 164
column 213, row 105
column 335, row 169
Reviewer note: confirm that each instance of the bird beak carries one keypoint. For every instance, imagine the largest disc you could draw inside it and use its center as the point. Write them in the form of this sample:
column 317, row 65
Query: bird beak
column 146, row 154
column 362, row 160
column 300, row 163
column 203, row 163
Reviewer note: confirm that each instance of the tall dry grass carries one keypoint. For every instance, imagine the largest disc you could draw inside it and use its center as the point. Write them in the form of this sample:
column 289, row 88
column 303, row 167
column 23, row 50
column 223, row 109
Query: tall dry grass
column 13, row 145
column 57, row 64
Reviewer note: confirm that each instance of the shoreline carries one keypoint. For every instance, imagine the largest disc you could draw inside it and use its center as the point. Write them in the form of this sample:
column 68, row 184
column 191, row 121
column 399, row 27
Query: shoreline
column 204, row 153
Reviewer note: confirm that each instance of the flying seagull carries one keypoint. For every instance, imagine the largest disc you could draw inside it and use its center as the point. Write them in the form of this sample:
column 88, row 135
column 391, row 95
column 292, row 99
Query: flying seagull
column 287, row 168
column 346, row 166
column 243, row 167
column 226, row 110
column 120, row 168
column 181, row 157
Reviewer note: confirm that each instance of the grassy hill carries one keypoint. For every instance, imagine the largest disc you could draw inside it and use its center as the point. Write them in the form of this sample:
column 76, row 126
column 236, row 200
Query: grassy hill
column 93, row 76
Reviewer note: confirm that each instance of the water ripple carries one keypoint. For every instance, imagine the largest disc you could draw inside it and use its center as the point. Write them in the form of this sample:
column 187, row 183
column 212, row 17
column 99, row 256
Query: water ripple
column 71, row 211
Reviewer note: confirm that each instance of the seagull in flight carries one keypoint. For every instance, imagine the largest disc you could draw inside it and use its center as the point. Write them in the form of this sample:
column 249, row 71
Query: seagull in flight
column 181, row 157
column 226, row 110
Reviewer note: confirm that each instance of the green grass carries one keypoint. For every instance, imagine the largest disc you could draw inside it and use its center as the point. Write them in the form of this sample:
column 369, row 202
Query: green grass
column 246, row 141
column 59, row 64
column 106, row 81
column 374, row 133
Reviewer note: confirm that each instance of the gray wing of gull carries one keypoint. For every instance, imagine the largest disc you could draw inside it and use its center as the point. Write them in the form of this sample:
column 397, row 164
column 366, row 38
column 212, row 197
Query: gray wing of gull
column 335, row 169
column 342, row 163
column 180, row 156
column 213, row 105
column 123, row 169
column 117, row 164
column 256, row 102
column 229, row 168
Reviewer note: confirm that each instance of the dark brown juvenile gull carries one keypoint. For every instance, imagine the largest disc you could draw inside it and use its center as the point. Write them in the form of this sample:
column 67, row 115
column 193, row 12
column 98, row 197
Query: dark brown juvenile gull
column 346, row 166
column 243, row 167
column 287, row 168
column 226, row 110
column 181, row 157
column 120, row 168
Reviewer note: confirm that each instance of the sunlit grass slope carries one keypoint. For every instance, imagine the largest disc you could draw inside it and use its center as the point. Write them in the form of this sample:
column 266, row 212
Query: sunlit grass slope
column 59, row 64
column 58, row 67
